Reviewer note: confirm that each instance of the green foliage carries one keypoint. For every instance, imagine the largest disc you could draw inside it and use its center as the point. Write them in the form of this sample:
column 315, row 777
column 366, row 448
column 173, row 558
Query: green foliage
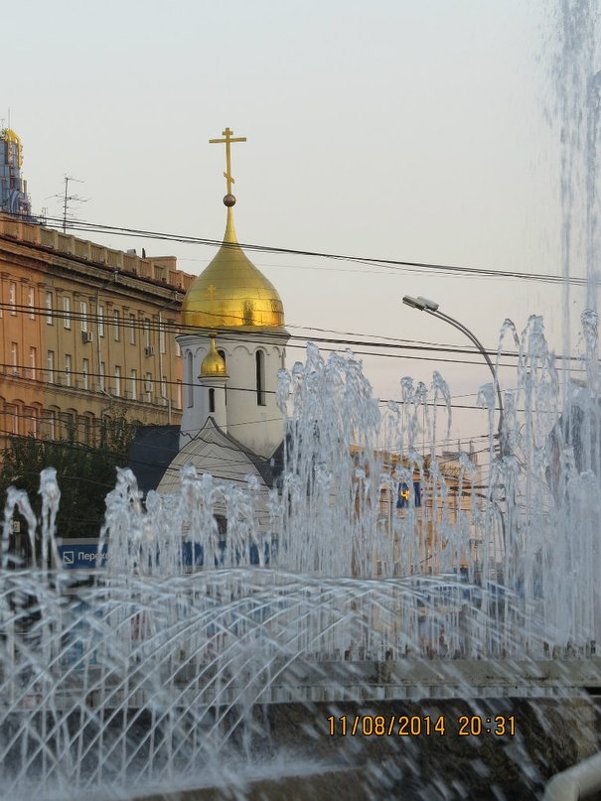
column 85, row 474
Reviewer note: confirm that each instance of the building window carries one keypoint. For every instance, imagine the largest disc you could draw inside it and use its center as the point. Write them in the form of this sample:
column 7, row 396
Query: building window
column 260, row 373
column 146, row 333
column 117, row 380
column 105, row 426
column 85, row 374
column 48, row 302
column 148, row 386
column 222, row 354
column 211, row 400
column 190, row 380
column 132, row 329
column 83, row 311
column 12, row 298
column 116, row 326
column 101, row 377
column 67, row 312
column 12, row 419
column 14, row 357
column 31, row 302
column 33, row 360
column 68, row 369
column 134, row 384
column 100, row 320
column 50, row 366
column 49, row 418
column 87, row 431
column 30, row 413
column 68, row 421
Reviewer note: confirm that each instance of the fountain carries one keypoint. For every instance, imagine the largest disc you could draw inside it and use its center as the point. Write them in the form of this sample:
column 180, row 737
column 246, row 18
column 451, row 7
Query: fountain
column 195, row 659
column 179, row 654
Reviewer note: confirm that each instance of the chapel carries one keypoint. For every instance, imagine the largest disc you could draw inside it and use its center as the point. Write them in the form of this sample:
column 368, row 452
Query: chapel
column 232, row 345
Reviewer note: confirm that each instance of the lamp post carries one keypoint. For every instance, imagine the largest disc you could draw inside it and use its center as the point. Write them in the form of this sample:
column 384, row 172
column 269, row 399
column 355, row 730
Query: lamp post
column 429, row 306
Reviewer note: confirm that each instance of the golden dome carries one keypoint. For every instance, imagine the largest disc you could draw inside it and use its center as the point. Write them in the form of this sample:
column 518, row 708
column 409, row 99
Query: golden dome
column 213, row 364
column 10, row 136
column 231, row 292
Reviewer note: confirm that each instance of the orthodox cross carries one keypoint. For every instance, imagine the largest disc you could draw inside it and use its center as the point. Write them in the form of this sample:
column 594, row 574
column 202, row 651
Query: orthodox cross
column 228, row 161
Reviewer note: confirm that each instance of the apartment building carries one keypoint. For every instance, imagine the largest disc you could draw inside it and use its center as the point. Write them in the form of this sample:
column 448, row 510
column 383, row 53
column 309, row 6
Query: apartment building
column 86, row 332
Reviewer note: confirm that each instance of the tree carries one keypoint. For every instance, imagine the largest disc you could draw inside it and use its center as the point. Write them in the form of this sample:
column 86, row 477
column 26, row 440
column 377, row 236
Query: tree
column 85, row 474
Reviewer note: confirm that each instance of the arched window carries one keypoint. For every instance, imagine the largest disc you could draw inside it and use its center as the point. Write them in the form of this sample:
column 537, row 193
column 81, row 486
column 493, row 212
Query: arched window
column 36, row 422
column 260, row 370
column 189, row 380
column 86, row 429
column 106, row 427
column 31, row 421
column 12, row 418
column 223, row 356
column 211, row 400
column 68, row 429
column 49, row 428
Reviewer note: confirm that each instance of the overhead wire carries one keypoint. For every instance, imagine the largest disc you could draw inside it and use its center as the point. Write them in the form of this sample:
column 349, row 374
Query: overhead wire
column 141, row 380
column 385, row 343
column 83, row 447
column 387, row 263
column 167, row 325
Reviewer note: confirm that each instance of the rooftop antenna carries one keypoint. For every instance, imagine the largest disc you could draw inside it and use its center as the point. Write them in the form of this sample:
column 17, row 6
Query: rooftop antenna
column 67, row 198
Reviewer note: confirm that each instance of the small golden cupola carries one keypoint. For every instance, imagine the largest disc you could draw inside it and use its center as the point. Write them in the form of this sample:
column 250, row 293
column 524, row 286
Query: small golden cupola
column 8, row 135
column 231, row 292
column 213, row 364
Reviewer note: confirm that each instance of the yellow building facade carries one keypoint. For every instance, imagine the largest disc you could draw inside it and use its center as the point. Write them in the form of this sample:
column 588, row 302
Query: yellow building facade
column 431, row 505
column 86, row 332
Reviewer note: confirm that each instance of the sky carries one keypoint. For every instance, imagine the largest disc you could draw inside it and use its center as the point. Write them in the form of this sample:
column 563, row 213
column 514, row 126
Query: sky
column 415, row 131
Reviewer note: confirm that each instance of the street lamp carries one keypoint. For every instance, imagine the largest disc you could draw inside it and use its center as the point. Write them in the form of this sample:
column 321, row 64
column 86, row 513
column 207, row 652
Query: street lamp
column 431, row 307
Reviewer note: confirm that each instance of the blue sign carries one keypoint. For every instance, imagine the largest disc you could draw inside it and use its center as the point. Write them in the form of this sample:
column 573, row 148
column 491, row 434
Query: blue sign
column 404, row 495
column 82, row 553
